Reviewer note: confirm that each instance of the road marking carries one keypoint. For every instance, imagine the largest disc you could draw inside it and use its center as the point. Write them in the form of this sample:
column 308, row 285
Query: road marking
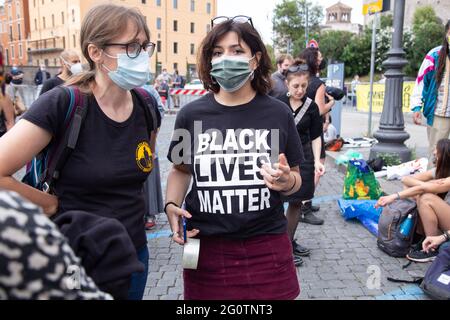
column 159, row 234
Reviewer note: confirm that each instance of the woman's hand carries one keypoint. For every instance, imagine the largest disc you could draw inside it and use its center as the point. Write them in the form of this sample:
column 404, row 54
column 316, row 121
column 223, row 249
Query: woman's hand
column 417, row 118
column 432, row 243
column 52, row 208
column 319, row 168
column 279, row 178
column 331, row 100
column 384, row 201
column 175, row 214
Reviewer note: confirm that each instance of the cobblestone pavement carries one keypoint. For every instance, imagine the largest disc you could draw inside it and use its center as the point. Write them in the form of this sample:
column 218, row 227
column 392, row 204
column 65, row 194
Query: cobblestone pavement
column 345, row 262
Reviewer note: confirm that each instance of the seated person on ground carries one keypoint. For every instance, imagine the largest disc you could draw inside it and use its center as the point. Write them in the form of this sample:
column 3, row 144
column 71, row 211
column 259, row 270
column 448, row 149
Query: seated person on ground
column 431, row 190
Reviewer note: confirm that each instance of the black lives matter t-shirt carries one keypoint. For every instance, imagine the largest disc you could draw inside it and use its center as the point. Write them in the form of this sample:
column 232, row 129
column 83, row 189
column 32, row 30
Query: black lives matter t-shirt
column 224, row 148
column 105, row 173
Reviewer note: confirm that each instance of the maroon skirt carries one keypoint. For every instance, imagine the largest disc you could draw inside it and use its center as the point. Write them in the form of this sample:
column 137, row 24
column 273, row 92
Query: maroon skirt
column 258, row 268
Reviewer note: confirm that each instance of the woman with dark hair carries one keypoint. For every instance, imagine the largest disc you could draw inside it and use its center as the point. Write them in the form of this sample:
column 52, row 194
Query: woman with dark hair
column 316, row 92
column 309, row 127
column 226, row 142
column 431, row 95
column 431, row 190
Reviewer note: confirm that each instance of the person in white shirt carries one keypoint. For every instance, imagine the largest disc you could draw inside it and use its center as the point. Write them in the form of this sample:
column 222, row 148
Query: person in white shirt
column 330, row 133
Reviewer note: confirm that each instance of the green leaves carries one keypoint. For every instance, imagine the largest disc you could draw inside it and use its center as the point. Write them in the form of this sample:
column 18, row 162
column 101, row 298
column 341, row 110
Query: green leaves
column 289, row 21
column 354, row 50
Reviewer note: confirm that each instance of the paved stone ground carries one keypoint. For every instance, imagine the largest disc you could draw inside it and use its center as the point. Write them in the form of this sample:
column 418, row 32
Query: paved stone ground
column 344, row 254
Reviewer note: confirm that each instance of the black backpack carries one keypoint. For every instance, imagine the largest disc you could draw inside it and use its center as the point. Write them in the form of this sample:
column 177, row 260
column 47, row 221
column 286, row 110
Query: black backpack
column 390, row 240
column 436, row 282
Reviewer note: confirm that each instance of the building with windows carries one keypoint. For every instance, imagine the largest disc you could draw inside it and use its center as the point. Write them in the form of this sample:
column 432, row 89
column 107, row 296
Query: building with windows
column 176, row 26
column 14, row 31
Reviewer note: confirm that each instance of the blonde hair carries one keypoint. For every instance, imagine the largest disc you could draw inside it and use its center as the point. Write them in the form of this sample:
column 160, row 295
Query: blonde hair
column 101, row 25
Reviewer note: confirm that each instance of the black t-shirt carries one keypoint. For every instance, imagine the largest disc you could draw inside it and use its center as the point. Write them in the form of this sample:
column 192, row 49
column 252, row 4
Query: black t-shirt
column 310, row 126
column 51, row 83
column 105, row 173
column 228, row 197
column 313, row 85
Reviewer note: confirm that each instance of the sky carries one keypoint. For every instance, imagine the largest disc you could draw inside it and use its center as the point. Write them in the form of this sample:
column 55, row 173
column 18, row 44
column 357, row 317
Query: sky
column 261, row 12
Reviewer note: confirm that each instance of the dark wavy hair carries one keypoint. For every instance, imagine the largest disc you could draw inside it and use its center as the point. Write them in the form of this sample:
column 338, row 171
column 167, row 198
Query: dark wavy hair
column 443, row 54
column 311, row 55
column 261, row 82
column 443, row 159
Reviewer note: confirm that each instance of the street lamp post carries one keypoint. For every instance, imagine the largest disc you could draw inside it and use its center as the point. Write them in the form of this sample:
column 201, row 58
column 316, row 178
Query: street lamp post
column 306, row 25
column 391, row 134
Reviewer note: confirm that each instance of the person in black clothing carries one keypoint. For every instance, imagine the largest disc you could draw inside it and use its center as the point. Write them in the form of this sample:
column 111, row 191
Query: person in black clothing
column 70, row 65
column 243, row 158
column 41, row 75
column 103, row 175
column 316, row 92
column 308, row 122
column 17, row 75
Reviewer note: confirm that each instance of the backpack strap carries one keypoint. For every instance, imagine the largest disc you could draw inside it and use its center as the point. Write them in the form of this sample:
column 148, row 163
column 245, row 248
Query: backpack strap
column 73, row 121
column 416, row 280
column 302, row 111
column 149, row 102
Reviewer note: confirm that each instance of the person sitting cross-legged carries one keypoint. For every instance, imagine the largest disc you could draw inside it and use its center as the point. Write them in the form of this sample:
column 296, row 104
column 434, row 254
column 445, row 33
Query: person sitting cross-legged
column 431, row 191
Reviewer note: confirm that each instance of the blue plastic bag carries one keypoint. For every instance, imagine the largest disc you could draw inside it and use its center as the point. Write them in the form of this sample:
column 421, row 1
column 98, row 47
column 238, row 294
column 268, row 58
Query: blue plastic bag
column 363, row 210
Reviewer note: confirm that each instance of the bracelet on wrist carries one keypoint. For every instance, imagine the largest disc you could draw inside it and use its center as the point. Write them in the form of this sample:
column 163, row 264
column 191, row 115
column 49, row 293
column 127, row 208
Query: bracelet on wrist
column 169, row 203
column 446, row 236
column 293, row 186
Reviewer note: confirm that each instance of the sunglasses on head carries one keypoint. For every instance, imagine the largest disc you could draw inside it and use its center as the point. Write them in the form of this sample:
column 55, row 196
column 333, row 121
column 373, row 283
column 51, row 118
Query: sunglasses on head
column 237, row 19
column 298, row 68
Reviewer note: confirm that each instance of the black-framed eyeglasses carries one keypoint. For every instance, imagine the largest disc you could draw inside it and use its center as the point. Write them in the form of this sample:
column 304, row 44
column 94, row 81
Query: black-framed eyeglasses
column 133, row 49
column 298, row 68
column 237, row 19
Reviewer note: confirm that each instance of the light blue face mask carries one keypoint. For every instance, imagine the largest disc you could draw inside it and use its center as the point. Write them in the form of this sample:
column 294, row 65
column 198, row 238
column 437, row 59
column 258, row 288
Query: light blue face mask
column 130, row 73
column 232, row 73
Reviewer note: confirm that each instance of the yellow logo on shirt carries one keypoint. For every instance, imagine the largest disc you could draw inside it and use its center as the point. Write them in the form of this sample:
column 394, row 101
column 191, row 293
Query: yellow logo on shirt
column 144, row 158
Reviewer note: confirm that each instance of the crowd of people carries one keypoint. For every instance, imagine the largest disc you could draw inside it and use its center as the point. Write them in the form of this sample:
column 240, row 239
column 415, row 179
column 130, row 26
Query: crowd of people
column 261, row 145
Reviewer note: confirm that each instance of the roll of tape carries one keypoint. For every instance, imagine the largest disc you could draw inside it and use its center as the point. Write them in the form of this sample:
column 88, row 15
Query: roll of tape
column 191, row 253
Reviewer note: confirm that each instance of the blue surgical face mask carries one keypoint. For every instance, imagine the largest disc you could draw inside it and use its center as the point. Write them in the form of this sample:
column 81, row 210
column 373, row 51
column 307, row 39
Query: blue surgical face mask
column 130, row 73
column 230, row 72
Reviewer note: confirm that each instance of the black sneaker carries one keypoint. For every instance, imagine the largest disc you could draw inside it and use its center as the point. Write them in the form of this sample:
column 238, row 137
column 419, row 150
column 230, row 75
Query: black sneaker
column 315, row 208
column 299, row 250
column 422, row 256
column 310, row 218
column 298, row 261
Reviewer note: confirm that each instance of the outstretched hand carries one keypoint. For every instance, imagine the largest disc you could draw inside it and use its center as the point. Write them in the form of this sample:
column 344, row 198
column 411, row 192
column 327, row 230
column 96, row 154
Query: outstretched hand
column 277, row 178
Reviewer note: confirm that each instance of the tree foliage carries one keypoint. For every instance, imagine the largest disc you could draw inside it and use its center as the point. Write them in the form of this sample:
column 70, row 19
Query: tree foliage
column 428, row 33
column 355, row 50
column 332, row 44
column 289, row 22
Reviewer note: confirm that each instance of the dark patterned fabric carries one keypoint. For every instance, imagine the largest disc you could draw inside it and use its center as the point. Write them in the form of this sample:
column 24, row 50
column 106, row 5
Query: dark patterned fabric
column 36, row 262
